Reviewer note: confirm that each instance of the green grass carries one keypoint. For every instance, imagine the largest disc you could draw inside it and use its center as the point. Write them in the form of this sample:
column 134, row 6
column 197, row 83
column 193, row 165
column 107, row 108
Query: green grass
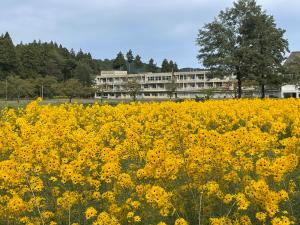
column 23, row 102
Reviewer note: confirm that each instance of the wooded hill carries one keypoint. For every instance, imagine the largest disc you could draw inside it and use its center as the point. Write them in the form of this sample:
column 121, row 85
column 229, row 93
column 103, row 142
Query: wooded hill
column 27, row 68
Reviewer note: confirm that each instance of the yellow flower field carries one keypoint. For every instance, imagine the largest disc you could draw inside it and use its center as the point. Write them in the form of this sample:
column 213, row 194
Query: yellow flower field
column 218, row 162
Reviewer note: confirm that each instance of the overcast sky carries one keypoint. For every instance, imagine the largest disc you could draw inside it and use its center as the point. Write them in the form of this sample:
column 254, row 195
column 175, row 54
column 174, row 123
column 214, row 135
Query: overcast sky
column 151, row 28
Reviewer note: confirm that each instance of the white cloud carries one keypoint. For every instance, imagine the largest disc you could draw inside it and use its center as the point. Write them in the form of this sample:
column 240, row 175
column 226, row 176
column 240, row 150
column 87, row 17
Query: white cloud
column 156, row 28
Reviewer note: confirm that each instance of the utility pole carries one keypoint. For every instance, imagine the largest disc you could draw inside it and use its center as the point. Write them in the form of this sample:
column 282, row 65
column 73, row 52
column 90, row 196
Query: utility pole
column 42, row 91
column 6, row 89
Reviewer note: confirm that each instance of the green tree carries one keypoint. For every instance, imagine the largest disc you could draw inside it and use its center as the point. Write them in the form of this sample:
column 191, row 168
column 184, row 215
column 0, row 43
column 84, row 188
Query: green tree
column 171, row 87
column 45, row 87
column 165, row 66
column 133, row 87
column 130, row 58
column 19, row 88
column 8, row 56
column 68, row 68
column 83, row 73
column 231, row 43
column 292, row 69
column 268, row 48
column 119, row 62
column 138, row 62
column 151, row 66
column 71, row 88
column 100, row 89
column 175, row 67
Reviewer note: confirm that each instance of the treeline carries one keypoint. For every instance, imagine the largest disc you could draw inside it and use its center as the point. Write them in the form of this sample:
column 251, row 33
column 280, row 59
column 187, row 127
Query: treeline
column 26, row 69
column 14, row 87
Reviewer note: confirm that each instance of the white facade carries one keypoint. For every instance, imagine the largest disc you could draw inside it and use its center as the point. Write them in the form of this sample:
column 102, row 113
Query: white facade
column 153, row 85
column 288, row 91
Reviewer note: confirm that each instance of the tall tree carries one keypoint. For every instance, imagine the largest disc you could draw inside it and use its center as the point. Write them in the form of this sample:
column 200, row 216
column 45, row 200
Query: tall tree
column 165, row 66
column 83, row 73
column 151, row 66
column 171, row 66
column 292, row 69
column 231, row 43
column 175, row 67
column 133, row 87
column 268, row 48
column 138, row 62
column 119, row 62
column 8, row 56
column 130, row 58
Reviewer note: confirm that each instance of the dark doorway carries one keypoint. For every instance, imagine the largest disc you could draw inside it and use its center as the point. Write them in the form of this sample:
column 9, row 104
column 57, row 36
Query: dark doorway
column 289, row 95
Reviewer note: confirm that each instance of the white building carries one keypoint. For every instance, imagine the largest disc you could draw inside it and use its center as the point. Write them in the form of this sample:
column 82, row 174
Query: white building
column 288, row 91
column 153, row 85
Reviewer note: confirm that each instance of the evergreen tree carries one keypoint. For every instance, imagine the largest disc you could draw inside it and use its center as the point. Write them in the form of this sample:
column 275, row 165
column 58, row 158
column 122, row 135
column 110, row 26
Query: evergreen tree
column 80, row 55
column 171, row 66
column 8, row 56
column 151, row 67
column 175, row 67
column 165, row 66
column 119, row 62
column 68, row 68
column 130, row 58
column 83, row 73
column 138, row 62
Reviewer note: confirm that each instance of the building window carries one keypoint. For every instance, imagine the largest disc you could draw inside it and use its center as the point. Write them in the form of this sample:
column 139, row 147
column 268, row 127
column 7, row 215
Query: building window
column 147, row 94
column 157, row 78
column 219, row 84
column 200, row 85
column 200, row 76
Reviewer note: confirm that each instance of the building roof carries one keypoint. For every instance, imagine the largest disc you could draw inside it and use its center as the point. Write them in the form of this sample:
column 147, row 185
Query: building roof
column 293, row 55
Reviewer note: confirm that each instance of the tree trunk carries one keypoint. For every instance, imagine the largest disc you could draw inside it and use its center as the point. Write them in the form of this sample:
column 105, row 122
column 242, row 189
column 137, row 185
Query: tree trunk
column 263, row 94
column 70, row 100
column 239, row 88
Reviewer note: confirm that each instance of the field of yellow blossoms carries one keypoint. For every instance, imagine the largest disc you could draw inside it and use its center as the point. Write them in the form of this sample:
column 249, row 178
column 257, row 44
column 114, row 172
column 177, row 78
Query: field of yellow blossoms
column 233, row 162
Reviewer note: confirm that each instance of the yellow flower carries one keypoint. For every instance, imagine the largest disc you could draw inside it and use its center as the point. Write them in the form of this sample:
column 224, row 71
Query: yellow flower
column 181, row 221
column 90, row 212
